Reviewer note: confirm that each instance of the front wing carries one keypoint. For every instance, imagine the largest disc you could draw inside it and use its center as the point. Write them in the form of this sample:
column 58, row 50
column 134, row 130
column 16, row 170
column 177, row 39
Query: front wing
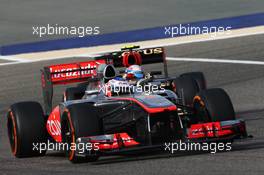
column 119, row 143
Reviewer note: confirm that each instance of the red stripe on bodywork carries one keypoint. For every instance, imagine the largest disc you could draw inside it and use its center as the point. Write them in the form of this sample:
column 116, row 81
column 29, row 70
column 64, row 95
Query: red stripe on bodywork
column 211, row 130
column 54, row 124
column 119, row 140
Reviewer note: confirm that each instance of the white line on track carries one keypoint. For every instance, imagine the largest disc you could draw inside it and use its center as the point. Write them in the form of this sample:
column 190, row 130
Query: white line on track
column 15, row 60
column 11, row 63
column 212, row 60
column 11, row 58
column 175, row 43
column 204, row 60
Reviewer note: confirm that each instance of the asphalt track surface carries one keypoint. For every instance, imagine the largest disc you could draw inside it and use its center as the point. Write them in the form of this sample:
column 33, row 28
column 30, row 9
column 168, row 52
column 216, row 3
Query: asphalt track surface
column 17, row 17
column 244, row 83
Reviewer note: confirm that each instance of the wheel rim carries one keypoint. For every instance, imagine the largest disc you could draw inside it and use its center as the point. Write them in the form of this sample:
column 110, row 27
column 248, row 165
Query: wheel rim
column 200, row 110
column 69, row 137
column 12, row 134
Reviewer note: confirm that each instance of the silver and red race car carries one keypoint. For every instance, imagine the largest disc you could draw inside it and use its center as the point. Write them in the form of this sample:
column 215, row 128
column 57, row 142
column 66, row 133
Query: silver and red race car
column 178, row 109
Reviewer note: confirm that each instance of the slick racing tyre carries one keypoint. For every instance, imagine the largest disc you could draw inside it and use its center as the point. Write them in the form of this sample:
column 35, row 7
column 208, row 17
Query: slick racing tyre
column 186, row 88
column 74, row 93
column 198, row 77
column 79, row 120
column 26, row 128
column 213, row 105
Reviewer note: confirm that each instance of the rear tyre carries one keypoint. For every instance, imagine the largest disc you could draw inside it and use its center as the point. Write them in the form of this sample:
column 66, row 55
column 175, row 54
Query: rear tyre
column 26, row 128
column 198, row 77
column 79, row 120
column 186, row 88
column 213, row 105
column 74, row 93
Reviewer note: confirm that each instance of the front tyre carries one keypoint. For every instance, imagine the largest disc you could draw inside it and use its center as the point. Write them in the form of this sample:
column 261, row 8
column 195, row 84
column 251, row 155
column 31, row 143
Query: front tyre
column 79, row 120
column 26, row 129
column 186, row 88
column 213, row 105
column 198, row 77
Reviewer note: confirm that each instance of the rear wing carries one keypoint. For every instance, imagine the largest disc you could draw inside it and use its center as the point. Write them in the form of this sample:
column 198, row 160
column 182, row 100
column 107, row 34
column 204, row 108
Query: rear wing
column 82, row 71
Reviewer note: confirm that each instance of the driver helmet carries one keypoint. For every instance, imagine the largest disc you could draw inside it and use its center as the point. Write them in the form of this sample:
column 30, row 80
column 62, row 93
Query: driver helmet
column 134, row 71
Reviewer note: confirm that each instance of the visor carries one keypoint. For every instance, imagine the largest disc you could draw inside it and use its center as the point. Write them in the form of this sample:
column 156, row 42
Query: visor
column 138, row 75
